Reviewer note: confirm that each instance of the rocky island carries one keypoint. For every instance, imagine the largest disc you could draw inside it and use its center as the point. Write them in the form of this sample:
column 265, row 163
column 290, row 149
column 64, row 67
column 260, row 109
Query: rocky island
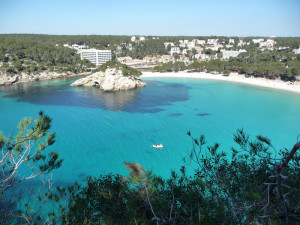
column 112, row 76
column 112, row 79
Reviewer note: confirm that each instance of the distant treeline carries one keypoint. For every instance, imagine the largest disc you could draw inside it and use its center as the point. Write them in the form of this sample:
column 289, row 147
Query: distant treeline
column 108, row 40
column 112, row 39
column 100, row 41
column 154, row 45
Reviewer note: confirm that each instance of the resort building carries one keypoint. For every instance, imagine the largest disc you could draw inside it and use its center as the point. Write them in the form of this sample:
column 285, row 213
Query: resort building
column 98, row 57
column 215, row 48
column 149, row 59
column 257, row 41
column 198, row 49
column 134, row 62
column 231, row 41
column 133, row 39
column 297, row 51
column 166, row 59
column 201, row 42
column 191, row 45
column 169, row 43
column 124, row 59
column 241, row 42
column 271, row 42
column 175, row 50
column 280, row 48
column 212, row 41
column 76, row 47
column 228, row 54
column 186, row 60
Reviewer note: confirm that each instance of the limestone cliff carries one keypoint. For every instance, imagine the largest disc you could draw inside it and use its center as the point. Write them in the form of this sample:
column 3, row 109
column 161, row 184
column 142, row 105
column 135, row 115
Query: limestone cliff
column 7, row 80
column 110, row 80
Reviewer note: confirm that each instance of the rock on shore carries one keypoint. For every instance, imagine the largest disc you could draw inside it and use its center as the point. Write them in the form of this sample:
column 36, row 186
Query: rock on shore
column 7, row 80
column 110, row 80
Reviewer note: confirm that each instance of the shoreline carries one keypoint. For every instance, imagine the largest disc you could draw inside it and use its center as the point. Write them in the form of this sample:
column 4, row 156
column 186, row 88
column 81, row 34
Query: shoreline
column 18, row 79
column 261, row 82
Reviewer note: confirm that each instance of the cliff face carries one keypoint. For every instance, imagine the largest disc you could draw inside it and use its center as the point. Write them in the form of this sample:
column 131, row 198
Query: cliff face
column 7, row 80
column 110, row 80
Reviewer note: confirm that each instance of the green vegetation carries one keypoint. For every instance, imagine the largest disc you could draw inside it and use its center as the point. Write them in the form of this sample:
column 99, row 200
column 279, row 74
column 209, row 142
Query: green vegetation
column 126, row 70
column 17, row 56
column 247, row 186
column 272, row 65
column 252, row 184
column 110, row 42
column 146, row 48
column 24, row 157
column 33, row 53
column 28, row 147
column 93, row 41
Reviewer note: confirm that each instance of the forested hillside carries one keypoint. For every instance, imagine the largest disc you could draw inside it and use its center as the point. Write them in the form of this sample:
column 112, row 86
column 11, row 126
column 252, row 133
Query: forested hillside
column 17, row 56
column 33, row 53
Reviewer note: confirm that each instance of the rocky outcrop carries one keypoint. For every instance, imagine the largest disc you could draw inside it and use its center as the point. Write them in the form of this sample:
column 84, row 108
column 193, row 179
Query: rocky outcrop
column 7, row 80
column 110, row 80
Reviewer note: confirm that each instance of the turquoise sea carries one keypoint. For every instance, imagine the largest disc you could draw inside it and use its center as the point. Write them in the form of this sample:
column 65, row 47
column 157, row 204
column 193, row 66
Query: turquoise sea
column 97, row 132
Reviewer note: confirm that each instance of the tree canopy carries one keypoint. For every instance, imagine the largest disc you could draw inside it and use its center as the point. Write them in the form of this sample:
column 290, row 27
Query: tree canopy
column 255, row 184
column 31, row 57
column 126, row 70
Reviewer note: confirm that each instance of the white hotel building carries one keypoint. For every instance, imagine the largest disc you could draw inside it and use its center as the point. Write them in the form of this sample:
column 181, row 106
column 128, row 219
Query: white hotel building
column 98, row 57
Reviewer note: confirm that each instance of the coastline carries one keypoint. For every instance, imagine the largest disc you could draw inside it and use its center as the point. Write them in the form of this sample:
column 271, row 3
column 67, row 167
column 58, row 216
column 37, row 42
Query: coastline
column 25, row 78
column 261, row 82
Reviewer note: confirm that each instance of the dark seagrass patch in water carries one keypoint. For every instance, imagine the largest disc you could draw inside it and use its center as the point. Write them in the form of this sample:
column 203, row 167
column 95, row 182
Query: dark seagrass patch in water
column 204, row 114
column 150, row 99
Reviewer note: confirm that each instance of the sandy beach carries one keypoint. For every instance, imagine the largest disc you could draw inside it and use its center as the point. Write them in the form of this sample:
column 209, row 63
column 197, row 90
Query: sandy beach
column 262, row 82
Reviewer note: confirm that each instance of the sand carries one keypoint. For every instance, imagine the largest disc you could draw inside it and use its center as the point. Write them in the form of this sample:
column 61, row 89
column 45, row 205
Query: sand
column 262, row 82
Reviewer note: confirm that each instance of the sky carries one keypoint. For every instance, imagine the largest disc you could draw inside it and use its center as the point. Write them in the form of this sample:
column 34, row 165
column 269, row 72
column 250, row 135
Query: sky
column 152, row 17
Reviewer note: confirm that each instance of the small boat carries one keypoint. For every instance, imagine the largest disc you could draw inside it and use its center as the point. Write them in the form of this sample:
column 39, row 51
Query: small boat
column 158, row 146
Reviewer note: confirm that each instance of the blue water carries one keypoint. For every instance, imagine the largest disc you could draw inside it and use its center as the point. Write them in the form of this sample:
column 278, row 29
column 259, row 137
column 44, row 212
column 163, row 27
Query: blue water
column 97, row 132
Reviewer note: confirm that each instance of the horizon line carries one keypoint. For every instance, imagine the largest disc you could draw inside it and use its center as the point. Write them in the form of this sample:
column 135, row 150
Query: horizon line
column 130, row 35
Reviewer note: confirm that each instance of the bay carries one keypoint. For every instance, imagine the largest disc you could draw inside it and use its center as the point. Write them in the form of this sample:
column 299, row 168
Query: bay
column 97, row 132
